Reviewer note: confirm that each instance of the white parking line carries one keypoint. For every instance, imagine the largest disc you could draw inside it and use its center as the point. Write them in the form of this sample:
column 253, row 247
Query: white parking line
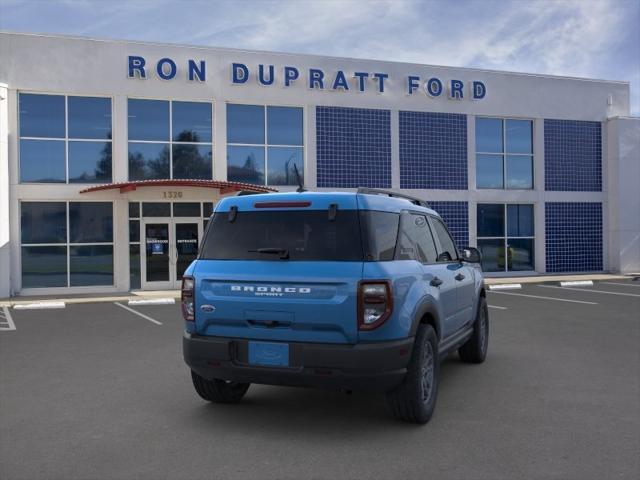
column 38, row 305
column 623, row 284
column 591, row 290
column 498, row 308
column 152, row 301
column 546, row 298
column 4, row 313
column 506, row 286
column 138, row 313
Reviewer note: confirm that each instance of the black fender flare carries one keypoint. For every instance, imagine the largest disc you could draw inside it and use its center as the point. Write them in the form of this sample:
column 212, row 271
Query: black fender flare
column 427, row 308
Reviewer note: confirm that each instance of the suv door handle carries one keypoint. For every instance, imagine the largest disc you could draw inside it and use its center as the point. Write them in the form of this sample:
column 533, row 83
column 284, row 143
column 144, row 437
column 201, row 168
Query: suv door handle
column 459, row 277
column 436, row 282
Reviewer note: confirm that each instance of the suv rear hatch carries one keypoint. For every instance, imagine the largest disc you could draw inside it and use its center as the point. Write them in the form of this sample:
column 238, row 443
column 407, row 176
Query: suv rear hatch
column 276, row 273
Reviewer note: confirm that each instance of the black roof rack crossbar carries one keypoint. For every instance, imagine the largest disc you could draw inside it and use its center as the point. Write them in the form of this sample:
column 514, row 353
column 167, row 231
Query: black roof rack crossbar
column 389, row 193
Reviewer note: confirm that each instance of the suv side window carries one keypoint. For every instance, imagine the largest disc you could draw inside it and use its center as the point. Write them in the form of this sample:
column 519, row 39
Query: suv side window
column 447, row 252
column 415, row 241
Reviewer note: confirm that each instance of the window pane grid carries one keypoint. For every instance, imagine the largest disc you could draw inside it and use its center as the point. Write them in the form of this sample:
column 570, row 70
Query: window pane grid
column 76, row 273
column 201, row 170
column 260, row 173
column 508, row 182
column 36, row 161
column 497, row 251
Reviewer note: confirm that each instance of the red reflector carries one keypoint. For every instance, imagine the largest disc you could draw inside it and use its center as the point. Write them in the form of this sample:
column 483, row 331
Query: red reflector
column 282, row 204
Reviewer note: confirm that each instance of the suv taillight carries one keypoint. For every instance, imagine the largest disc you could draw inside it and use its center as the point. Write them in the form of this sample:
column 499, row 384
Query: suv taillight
column 187, row 298
column 375, row 303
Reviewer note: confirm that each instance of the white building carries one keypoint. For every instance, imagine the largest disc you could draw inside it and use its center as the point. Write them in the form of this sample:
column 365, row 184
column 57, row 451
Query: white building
column 112, row 154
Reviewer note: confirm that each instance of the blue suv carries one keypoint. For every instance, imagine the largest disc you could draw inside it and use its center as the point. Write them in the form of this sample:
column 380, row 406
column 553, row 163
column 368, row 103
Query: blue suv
column 350, row 291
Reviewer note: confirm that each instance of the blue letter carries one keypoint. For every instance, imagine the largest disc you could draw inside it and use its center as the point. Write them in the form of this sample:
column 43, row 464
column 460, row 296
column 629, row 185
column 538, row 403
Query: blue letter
column 316, row 77
column 172, row 68
column 194, row 71
column 340, row 81
column 411, row 84
column 261, row 78
column 380, row 77
column 455, row 92
column 361, row 76
column 433, row 87
column 236, row 68
column 136, row 64
column 290, row 74
column 479, row 90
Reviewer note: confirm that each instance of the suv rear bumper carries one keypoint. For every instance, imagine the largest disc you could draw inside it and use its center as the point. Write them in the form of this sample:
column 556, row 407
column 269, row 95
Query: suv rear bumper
column 375, row 367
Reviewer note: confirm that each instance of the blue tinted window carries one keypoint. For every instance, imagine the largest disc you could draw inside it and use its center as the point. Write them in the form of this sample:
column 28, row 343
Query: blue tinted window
column 153, row 209
column 490, row 220
column 284, row 126
column 489, row 171
column 42, row 161
column 89, row 162
column 89, row 117
column 134, row 210
column 148, row 161
column 90, row 222
column 520, row 220
column 519, row 172
column 44, row 267
column 41, row 115
column 191, row 122
column 43, row 222
column 245, row 124
column 245, row 164
column 520, row 254
column 207, row 209
column 492, row 255
column 148, row 120
column 91, row 265
column 134, row 266
column 184, row 209
column 489, row 135
column 281, row 161
column 519, row 136
column 192, row 161
column 134, row 230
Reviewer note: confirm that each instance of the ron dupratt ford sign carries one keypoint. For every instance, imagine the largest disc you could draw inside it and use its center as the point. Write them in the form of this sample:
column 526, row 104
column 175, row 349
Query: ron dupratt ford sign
column 314, row 78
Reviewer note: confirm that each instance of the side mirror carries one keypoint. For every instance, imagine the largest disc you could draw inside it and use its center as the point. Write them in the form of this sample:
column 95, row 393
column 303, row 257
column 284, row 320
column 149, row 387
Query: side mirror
column 471, row 255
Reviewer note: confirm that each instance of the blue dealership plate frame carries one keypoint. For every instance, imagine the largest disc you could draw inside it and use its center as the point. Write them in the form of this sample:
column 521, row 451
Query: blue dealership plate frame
column 269, row 354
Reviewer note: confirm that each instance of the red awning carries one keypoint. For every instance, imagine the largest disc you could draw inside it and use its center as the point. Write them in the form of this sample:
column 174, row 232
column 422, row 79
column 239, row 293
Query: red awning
column 224, row 187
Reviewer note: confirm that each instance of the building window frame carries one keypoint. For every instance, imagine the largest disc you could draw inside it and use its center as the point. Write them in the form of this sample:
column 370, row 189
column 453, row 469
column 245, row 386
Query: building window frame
column 506, row 237
column 66, row 139
column 170, row 142
column 68, row 244
column 266, row 145
column 504, row 154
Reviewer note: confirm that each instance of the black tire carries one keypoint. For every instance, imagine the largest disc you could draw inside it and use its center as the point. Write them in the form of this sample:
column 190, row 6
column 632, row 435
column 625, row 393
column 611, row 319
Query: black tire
column 475, row 349
column 219, row 391
column 415, row 398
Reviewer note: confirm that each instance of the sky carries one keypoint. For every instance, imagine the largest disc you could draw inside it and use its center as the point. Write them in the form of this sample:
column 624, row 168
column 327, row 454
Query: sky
column 579, row 38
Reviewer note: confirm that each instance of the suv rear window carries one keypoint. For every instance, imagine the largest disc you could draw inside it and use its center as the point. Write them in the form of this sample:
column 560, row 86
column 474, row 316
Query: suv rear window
column 302, row 235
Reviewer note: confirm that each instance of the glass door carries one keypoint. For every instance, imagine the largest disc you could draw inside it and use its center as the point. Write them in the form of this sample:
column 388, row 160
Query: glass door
column 187, row 234
column 157, row 257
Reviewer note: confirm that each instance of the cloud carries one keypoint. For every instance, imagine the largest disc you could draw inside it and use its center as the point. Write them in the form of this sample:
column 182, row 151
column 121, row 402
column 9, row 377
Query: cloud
column 588, row 38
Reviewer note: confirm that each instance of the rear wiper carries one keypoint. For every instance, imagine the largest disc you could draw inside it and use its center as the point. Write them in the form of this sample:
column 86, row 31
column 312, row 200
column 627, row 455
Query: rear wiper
column 283, row 252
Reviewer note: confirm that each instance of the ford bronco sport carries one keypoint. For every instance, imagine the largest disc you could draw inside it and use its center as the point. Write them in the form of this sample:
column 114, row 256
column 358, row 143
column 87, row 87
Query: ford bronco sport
column 351, row 291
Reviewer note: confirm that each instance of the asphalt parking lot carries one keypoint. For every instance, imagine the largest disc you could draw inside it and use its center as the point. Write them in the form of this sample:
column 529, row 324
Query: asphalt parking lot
column 96, row 391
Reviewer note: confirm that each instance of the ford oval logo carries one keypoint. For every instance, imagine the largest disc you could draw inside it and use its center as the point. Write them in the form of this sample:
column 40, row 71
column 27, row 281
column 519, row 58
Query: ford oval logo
column 208, row 308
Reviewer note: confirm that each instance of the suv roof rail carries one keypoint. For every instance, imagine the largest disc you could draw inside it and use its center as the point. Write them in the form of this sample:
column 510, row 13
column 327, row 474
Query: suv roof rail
column 390, row 193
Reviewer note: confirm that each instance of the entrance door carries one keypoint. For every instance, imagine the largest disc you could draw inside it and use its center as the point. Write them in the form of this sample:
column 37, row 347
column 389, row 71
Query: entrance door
column 170, row 246
column 187, row 239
